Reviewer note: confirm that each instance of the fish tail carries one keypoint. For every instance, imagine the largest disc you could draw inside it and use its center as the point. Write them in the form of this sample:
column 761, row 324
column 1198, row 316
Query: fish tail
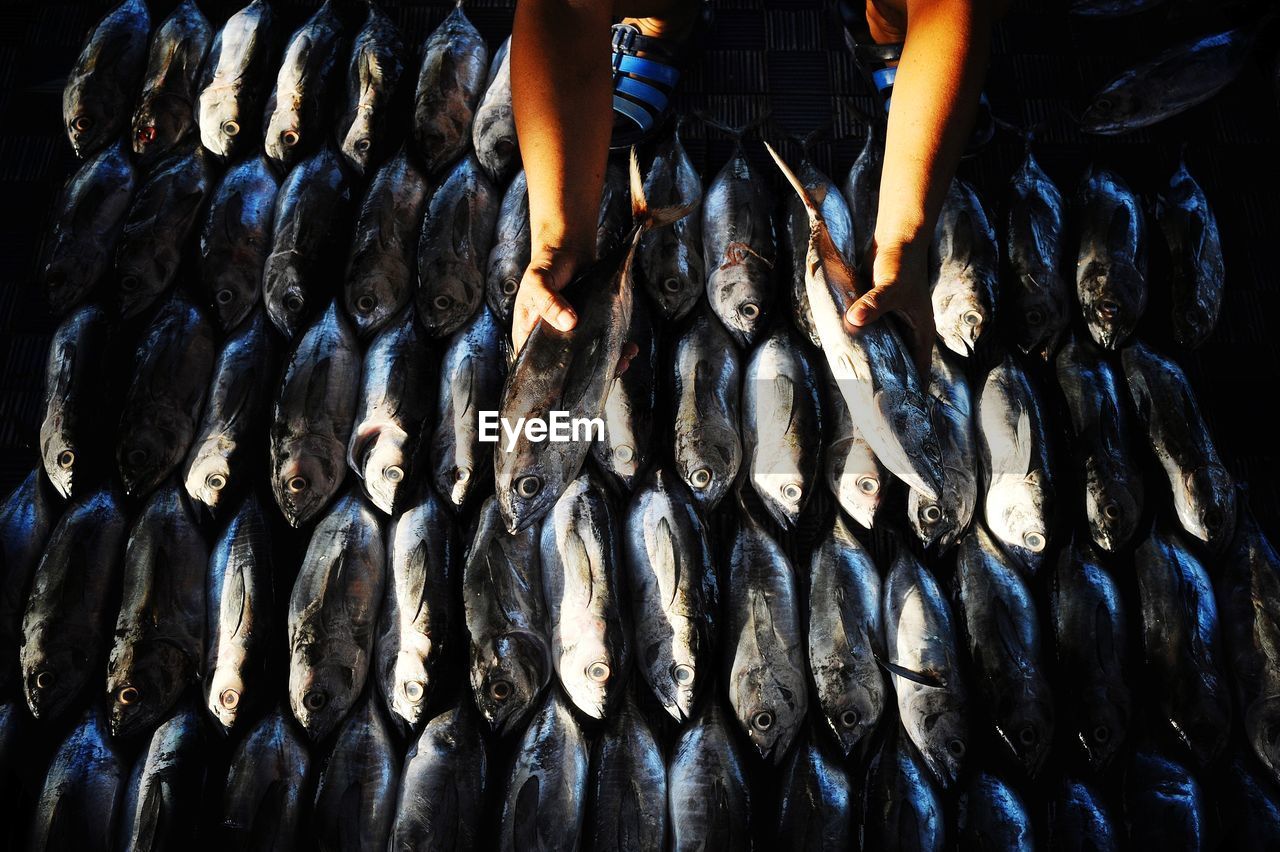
column 738, row 133
column 815, row 215
column 647, row 218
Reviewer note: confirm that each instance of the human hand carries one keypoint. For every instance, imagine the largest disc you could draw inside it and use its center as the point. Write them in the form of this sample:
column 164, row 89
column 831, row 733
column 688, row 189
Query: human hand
column 901, row 286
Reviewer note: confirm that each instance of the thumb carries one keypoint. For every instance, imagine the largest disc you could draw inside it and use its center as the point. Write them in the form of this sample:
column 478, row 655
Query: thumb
column 873, row 304
column 538, row 299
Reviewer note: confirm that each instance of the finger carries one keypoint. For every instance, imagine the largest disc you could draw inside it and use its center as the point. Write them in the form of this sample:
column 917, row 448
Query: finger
column 535, row 300
column 874, row 304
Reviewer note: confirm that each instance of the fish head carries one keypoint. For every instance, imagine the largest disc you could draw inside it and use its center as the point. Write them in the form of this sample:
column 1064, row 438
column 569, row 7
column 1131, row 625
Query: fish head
column 1110, row 110
column 358, row 146
column 858, row 491
column 448, row 294
column 283, row 140
column 149, row 448
column 408, row 685
column 209, row 474
column 91, row 121
column 937, row 725
column 321, row 691
column 1102, row 728
column 232, row 286
column 784, row 495
column 224, row 695
column 160, row 123
column 1209, row 497
column 1015, row 514
column 141, row 278
column 1112, row 299
column 673, row 270
column 303, row 483
column 853, row 714
column 710, row 466
column 1026, row 726
column 286, row 298
column 386, row 467
column 143, row 684
column 769, row 712
column 1193, row 323
column 60, row 455
column 930, row 520
column 1113, row 509
column 53, row 674
column 507, row 681
column 528, row 485
column 738, row 303
column 503, row 282
column 455, row 474
column 372, row 297
column 961, row 317
column 1043, row 319
column 223, row 130
column 1262, row 726
column 1203, row 727
column 592, row 674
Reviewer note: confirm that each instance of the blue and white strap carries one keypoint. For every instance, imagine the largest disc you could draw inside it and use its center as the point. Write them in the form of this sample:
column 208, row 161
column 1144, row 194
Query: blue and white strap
column 641, row 86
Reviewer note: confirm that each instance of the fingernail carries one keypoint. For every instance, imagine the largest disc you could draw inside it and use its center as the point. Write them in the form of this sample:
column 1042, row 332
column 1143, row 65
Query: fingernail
column 565, row 320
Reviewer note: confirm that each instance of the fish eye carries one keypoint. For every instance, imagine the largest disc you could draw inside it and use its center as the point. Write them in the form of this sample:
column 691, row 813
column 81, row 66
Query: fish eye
column 414, row 690
column 363, row 146
column 500, row 690
column 289, row 138
column 700, row 478
column 683, row 674
column 45, row 679
column 229, row 699
column 1108, row 309
column 82, row 123
column 293, row 304
column 315, row 700
column 598, row 672
column 128, row 695
column 462, row 474
column 216, row 482
column 66, row 458
column 1192, row 317
column 955, row 747
column 393, row 473
column 1033, row 541
column 671, row 285
column 1028, row 736
column 129, row 283
column 224, row 296
column 231, row 127
column 868, row 484
column 528, row 486
column 1111, row 511
column 136, row 457
column 1034, row 317
column 972, row 318
column 510, row 286
column 1103, row 103
column 849, row 718
column 792, row 492
column 931, row 514
column 624, row 453
column 750, row 310
column 441, row 302
column 146, row 134
column 366, row 303
column 1101, row 734
column 762, row 721
column 296, row 484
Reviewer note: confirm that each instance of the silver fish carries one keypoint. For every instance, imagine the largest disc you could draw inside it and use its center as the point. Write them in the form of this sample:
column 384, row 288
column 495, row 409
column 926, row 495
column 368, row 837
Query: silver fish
column 545, row 802
column 165, row 797
column 861, row 190
column 83, row 793
column 1003, row 634
column 392, row 409
column 418, row 617
column 615, row 210
column 963, row 270
column 170, row 381
column 581, row 583
column 835, row 213
column 852, row 471
column 101, row 86
column 225, row 447
column 924, row 659
column 442, row 787
column 493, row 132
column 764, row 642
column 940, row 523
column 817, row 802
column 240, row 595
column 708, row 800
column 1163, row 805
column 993, row 815
column 1079, row 820
column 308, row 226
column 236, row 240
column 782, row 425
column 159, row 637
column 455, row 65
column 669, row 266
column 156, row 231
column 510, row 659
column 846, row 636
column 453, row 248
column 74, row 394
column 85, row 226
column 379, row 280
column 1111, row 262
column 66, row 626
column 1018, row 503
column 27, row 516
column 627, row 446
column 1191, row 230
column 672, row 591
column 368, row 124
column 1113, row 494
column 628, row 787
column 296, row 112
column 471, row 374
column 234, row 86
column 1034, row 246
column 164, row 118
column 262, row 802
column 1182, row 645
column 1204, row 494
column 707, row 393
column 511, row 250
column 313, row 418
column 355, row 798
column 903, row 809
column 332, row 614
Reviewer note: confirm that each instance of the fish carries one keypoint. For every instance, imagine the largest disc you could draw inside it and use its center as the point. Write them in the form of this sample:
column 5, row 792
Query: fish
column 739, row 249
column 164, row 117
column 626, row 448
column 160, row 631
column 418, row 618
column 628, row 786
column 1163, row 805
column 393, row 405
column 471, row 372
column 993, row 815
column 1182, row 644
column 1111, row 8
column 922, row 652
column 1248, row 593
column 355, row 798
column 707, row 400
column 1111, row 261
column 98, row 97
column 235, row 240
column 1113, row 486
column 1195, row 250
column 963, row 270
column 84, row 227
column 871, row 367
column 782, row 425
column 451, row 80
column 1250, row 807
column 708, row 800
column 27, row 516
column 850, row 468
column 83, row 792
column 158, row 226
column 673, row 595
column 846, row 636
column 332, row 614
column 453, row 249
column 835, row 213
column 1019, row 500
column 66, row 629
column 262, row 801
column 74, row 395
column 940, row 523
column 570, row 372
column 314, row 414
column 368, row 124
column 999, row 621
column 615, row 210
column 379, row 273
column 297, row 111
column 240, row 619
column 512, row 249
column 669, row 263
column 1034, row 244
column 1091, row 639
column 173, row 365
column 817, row 802
column 228, row 441
column 234, row 85
column 582, row 586
column 764, row 643
column 165, row 795
column 903, row 809
column 439, row 803
column 506, row 619
column 861, row 190
column 493, row 128
column 545, row 800
column 309, row 225
column 1204, row 494
column 1172, row 81
column 1079, row 820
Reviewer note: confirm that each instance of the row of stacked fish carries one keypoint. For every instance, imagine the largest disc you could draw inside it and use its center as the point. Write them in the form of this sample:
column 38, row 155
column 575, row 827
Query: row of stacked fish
column 620, row 611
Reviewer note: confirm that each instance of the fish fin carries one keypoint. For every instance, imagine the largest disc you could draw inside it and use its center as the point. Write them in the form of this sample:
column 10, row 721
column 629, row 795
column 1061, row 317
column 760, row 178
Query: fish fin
column 574, row 549
column 658, row 217
column 786, row 395
column 1007, row 630
column 921, row 678
column 665, row 553
column 232, row 214
column 815, row 214
column 525, row 819
column 461, row 231
column 894, row 456
column 1022, row 441
column 1103, row 635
